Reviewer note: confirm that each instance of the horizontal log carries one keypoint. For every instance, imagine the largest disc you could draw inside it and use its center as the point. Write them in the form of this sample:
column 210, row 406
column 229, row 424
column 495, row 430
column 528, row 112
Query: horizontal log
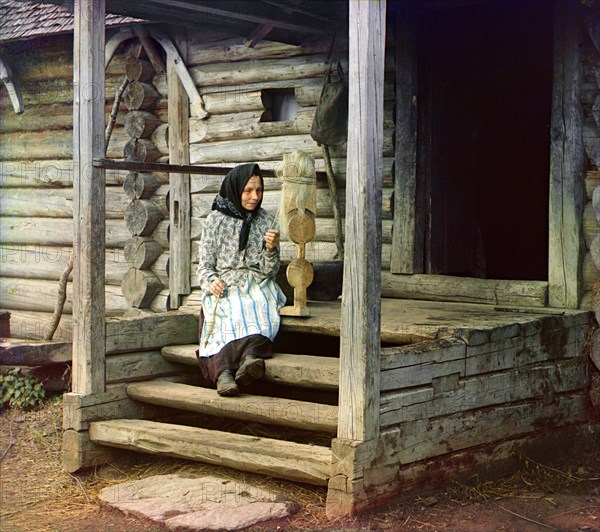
column 23, row 353
column 48, row 262
column 140, row 287
column 140, row 124
column 146, row 365
column 484, row 391
column 142, row 217
column 59, row 232
column 151, row 332
column 59, row 91
column 37, row 325
column 78, row 452
column 233, row 50
column 41, row 295
column 140, row 96
column 51, row 173
column 218, row 74
column 141, row 252
column 141, row 150
column 140, row 185
column 139, row 69
column 46, row 64
column 311, row 88
column 223, row 126
column 236, row 102
column 464, row 289
column 270, row 148
column 271, row 410
column 293, row 461
column 421, row 439
column 58, row 202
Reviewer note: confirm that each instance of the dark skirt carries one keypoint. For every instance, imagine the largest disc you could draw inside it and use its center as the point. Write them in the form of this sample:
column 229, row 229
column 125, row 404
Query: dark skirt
column 232, row 354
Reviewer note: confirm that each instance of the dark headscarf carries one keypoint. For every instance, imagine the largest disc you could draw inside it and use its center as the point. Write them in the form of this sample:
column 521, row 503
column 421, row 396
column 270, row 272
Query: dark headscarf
column 229, row 199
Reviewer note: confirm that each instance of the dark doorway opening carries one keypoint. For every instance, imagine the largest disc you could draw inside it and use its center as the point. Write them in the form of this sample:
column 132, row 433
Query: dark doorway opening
column 485, row 96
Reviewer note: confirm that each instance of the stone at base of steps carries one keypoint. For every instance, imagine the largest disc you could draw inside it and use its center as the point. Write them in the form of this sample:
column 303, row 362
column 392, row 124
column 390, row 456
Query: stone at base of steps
column 310, row 464
column 294, row 370
column 193, row 502
column 270, row 410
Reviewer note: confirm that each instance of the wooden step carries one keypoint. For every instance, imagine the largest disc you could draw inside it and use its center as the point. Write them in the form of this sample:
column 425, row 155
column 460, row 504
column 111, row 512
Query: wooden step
column 294, row 370
column 276, row 458
column 270, row 410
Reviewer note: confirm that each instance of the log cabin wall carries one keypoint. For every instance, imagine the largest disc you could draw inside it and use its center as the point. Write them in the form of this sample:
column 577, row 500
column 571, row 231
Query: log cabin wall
column 590, row 99
column 36, row 188
column 237, row 84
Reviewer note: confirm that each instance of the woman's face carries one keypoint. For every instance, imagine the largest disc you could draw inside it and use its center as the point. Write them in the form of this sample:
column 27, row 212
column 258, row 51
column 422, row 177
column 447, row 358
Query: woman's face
column 252, row 193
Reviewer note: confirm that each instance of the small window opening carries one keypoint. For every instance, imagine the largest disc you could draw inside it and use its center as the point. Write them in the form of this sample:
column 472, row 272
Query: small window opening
column 283, row 105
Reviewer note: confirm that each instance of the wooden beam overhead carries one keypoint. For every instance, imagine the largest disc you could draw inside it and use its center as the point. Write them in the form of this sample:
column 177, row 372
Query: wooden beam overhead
column 253, row 12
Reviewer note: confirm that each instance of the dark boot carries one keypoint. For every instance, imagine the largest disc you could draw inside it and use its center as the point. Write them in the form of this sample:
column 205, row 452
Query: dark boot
column 251, row 368
column 226, row 386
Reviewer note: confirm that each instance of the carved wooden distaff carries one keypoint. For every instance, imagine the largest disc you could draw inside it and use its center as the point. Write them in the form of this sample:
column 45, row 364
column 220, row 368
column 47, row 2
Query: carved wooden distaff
column 298, row 212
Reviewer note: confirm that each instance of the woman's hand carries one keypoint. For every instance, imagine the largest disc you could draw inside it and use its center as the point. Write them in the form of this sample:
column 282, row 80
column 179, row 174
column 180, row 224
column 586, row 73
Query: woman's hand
column 271, row 239
column 217, row 287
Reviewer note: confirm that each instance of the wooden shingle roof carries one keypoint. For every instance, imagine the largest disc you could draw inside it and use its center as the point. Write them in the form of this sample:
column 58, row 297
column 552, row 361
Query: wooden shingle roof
column 22, row 19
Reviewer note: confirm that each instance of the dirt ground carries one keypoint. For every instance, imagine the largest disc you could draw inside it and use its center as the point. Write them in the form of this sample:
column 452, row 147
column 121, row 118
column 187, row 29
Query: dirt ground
column 37, row 495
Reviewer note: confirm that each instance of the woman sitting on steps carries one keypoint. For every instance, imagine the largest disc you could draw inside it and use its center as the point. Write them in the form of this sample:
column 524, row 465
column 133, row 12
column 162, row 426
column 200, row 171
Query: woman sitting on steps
column 239, row 259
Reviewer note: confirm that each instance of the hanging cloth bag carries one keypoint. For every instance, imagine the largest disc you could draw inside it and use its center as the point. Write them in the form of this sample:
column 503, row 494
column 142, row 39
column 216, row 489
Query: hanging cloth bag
column 330, row 125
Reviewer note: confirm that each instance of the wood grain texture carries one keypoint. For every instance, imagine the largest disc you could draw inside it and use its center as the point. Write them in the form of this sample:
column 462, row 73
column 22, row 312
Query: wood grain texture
column 89, row 199
column 361, row 302
column 566, row 164
column 292, row 461
column 271, row 410
column 408, row 233
column 180, row 252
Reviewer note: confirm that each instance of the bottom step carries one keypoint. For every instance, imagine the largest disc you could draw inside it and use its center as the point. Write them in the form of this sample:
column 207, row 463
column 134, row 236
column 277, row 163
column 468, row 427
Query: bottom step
column 292, row 461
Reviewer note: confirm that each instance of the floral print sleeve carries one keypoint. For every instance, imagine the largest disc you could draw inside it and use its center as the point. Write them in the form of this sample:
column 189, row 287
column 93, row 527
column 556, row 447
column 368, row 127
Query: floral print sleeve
column 207, row 254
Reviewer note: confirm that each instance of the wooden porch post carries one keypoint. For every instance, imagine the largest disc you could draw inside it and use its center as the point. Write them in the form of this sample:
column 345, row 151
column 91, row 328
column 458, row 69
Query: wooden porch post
column 88, row 199
column 408, row 230
column 567, row 159
column 180, row 254
column 361, row 302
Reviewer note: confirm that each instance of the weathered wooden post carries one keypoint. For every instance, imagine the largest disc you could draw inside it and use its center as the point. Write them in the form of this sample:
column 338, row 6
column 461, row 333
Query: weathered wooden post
column 89, row 322
column 88, row 198
column 358, row 424
column 566, row 163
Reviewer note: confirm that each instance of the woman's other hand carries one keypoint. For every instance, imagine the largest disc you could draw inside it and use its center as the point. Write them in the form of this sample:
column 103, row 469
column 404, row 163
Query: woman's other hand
column 217, row 287
column 271, row 239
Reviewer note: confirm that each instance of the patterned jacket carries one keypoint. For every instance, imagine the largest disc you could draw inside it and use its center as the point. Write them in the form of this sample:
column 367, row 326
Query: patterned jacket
column 219, row 257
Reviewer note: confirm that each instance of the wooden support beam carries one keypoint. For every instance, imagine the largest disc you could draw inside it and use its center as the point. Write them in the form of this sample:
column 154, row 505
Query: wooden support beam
column 361, row 302
column 567, row 161
column 180, row 252
column 408, row 232
column 196, row 104
column 124, row 34
column 89, row 198
column 133, row 166
column 14, row 92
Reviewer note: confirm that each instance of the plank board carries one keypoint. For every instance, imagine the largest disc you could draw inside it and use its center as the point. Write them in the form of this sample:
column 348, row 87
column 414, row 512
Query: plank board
column 271, row 410
column 150, row 332
column 482, row 391
column 418, row 440
column 275, row 458
column 292, row 370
